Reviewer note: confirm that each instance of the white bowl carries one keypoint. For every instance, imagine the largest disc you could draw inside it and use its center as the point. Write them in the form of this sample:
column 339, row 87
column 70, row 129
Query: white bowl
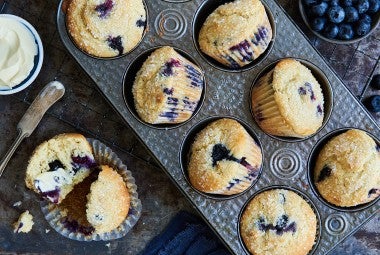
column 38, row 59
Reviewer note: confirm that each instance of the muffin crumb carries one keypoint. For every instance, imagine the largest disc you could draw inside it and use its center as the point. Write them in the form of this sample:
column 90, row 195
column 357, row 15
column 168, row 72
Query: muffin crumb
column 24, row 223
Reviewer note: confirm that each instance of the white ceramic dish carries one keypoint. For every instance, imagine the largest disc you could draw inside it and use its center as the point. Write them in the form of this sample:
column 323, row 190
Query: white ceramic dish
column 38, row 59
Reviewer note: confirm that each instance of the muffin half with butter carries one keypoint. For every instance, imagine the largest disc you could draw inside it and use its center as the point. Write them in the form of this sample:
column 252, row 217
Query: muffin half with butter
column 58, row 164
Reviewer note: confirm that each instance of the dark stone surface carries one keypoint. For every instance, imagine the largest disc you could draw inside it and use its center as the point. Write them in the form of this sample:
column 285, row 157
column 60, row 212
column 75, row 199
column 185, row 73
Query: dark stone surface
column 84, row 110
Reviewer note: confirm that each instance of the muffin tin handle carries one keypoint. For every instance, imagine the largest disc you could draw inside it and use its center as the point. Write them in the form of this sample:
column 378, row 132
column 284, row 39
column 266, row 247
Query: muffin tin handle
column 50, row 94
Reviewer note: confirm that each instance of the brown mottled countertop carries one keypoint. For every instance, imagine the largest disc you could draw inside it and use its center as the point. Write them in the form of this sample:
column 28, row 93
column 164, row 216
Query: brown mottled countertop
column 83, row 110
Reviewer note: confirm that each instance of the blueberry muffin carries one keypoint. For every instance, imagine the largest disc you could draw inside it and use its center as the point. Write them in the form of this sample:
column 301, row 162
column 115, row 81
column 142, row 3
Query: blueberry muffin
column 167, row 88
column 277, row 222
column 288, row 101
column 236, row 33
column 106, row 28
column 108, row 201
column 224, row 159
column 58, row 164
column 347, row 169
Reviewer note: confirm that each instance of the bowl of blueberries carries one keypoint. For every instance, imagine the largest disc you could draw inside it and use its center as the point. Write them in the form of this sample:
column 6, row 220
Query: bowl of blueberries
column 341, row 21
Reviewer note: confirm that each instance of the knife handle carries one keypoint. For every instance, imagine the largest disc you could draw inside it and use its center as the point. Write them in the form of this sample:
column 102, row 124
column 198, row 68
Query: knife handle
column 50, row 94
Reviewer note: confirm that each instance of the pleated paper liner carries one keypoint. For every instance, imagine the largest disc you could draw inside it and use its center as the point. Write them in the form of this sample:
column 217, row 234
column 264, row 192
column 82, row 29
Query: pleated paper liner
column 58, row 220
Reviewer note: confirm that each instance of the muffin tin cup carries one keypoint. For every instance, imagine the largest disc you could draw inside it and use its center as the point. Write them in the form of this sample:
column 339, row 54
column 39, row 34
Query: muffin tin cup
column 186, row 148
column 203, row 11
column 374, row 25
column 129, row 78
column 301, row 194
column 103, row 156
column 311, row 164
column 327, row 92
column 107, row 58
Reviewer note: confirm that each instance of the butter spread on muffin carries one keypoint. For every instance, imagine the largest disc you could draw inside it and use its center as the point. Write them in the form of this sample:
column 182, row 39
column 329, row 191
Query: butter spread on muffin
column 58, row 164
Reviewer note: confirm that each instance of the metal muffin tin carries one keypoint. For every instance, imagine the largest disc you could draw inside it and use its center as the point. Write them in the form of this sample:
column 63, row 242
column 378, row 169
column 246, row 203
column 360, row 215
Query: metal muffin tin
column 228, row 94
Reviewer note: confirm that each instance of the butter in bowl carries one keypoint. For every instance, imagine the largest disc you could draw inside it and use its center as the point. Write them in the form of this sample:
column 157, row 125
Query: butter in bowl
column 21, row 54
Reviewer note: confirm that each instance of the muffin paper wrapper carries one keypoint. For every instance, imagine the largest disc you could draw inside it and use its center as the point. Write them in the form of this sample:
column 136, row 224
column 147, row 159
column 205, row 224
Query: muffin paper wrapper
column 265, row 109
column 103, row 156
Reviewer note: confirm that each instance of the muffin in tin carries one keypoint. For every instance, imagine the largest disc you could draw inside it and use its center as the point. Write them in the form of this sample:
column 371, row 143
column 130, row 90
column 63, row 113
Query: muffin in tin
column 236, row 33
column 224, row 158
column 167, row 88
column 107, row 28
column 278, row 221
column 347, row 168
column 288, row 101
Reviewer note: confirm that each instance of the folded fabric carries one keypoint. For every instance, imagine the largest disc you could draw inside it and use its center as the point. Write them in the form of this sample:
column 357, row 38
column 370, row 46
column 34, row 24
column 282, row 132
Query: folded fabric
column 186, row 234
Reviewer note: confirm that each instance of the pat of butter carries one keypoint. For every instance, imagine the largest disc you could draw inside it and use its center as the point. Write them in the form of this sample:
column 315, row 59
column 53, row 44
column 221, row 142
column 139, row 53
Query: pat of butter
column 17, row 51
column 48, row 181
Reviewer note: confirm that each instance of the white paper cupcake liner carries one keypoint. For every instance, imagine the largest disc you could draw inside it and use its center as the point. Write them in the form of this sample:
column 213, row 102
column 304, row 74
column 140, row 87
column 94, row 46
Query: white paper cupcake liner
column 103, row 156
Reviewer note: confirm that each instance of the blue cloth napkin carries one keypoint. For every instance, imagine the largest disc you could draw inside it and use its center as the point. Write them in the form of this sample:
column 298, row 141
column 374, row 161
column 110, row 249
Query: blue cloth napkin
column 186, row 234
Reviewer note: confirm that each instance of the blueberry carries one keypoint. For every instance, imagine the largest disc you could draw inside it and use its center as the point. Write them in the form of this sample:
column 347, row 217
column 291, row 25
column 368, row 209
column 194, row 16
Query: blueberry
column 311, row 2
column 318, row 24
column 375, row 83
column 366, row 18
column 168, row 70
column 373, row 103
column 362, row 6
column 302, row 91
column 331, row 30
column 319, row 9
column 362, row 28
column 325, row 172
column 104, row 9
column 53, row 166
column 372, row 192
column 374, row 6
column 80, row 162
column 336, row 14
column 352, row 14
column 319, row 110
column 219, row 153
column 334, row 2
column 116, row 43
column 282, row 222
column 345, row 32
column 141, row 23
column 261, row 224
column 52, row 195
column 346, row 2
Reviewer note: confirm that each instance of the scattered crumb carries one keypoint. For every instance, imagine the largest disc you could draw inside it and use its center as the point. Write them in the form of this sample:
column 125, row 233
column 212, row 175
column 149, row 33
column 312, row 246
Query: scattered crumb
column 24, row 223
column 47, row 231
column 108, row 244
column 17, row 204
